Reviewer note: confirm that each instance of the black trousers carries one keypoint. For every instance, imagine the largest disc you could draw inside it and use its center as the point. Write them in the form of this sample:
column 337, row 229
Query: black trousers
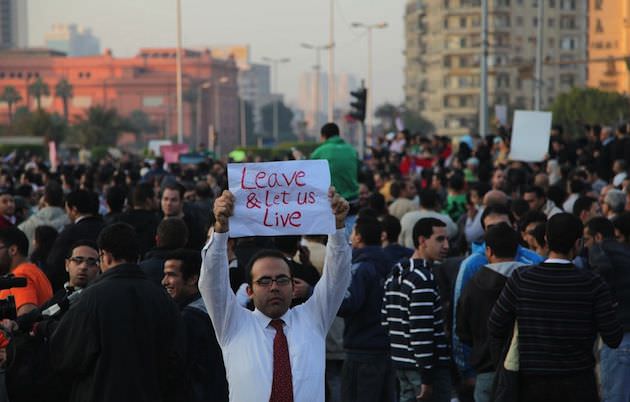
column 367, row 377
column 574, row 387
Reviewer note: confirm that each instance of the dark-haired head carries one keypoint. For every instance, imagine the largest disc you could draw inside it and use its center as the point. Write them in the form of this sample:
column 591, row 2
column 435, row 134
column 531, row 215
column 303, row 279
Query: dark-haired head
column 563, row 232
column 117, row 244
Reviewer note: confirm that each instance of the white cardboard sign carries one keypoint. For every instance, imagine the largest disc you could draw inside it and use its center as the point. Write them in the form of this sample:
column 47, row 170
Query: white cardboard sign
column 530, row 136
column 280, row 198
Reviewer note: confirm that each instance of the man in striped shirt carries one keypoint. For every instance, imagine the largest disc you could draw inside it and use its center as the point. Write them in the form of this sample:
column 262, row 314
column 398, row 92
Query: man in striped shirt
column 412, row 314
column 559, row 309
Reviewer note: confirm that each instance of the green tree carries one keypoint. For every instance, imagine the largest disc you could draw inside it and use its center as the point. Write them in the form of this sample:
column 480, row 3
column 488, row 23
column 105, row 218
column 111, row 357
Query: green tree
column 387, row 114
column 582, row 106
column 285, row 117
column 415, row 122
column 38, row 89
column 140, row 122
column 100, row 126
column 11, row 96
column 52, row 127
column 64, row 90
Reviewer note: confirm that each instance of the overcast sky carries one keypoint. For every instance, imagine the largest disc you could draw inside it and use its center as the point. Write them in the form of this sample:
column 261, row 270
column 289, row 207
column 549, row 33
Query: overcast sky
column 273, row 28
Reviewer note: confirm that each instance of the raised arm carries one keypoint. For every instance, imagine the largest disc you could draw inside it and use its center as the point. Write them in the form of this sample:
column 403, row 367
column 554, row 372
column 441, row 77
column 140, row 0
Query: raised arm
column 330, row 290
column 214, row 279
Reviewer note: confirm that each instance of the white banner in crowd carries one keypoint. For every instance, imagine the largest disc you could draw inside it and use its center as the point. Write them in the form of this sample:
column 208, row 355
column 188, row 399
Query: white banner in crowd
column 530, row 136
column 280, row 198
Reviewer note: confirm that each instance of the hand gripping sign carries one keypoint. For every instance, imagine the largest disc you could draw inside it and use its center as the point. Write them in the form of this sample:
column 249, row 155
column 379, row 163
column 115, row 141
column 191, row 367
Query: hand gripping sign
column 280, row 198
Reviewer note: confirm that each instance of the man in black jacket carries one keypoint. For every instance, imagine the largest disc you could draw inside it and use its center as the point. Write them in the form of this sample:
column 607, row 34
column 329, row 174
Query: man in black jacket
column 204, row 362
column 367, row 374
column 478, row 298
column 172, row 233
column 611, row 259
column 143, row 215
column 82, row 209
column 119, row 342
column 560, row 309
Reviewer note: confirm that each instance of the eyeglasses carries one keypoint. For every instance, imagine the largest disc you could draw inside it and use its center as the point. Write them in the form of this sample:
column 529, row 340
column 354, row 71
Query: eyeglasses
column 280, row 281
column 87, row 260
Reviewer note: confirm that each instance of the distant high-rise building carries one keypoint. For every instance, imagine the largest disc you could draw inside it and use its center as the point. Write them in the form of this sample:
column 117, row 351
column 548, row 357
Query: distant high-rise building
column 254, row 80
column 73, row 40
column 13, row 23
column 344, row 83
column 609, row 37
column 443, row 53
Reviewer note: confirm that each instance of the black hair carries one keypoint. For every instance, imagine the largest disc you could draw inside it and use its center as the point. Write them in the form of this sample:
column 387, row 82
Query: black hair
column 602, row 226
column 81, row 243
column 376, row 201
column 141, row 193
column 172, row 185
column 172, row 233
column 519, row 208
column 424, row 227
column 53, row 194
column 502, row 240
column 86, row 202
column 495, row 209
column 577, row 186
column 45, row 237
column 428, row 199
column 264, row 253
column 329, row 130
column 540, row 193
column 190, row 259
column 532, row 217
column 391, row 227
column 203, row 190
column 622, row 224
column 121, row 241
column 456, row 182
column 287, row 244
column 370, row 230
column 539, row 234
column 396, row 187
column 582, row 204
column 13, row 236
column 563, row 230
column 115, row 198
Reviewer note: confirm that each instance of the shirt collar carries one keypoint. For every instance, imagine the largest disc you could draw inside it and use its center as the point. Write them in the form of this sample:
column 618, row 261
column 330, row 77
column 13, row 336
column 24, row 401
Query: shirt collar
column 557, row 261
column 265, row 321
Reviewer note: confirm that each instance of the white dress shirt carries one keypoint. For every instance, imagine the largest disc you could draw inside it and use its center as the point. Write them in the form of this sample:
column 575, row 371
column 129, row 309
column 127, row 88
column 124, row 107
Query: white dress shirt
column 246, row 338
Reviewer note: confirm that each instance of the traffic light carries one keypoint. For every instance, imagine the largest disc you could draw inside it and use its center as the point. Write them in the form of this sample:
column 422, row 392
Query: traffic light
column 358, row 106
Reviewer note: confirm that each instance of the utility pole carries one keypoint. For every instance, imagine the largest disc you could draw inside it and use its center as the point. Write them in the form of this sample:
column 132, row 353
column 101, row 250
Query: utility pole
column 274, row 63
column 370, row 87
column 483, row 98
column 178, row 68
column 331, row 63
column 538, row 79
column 317, row 68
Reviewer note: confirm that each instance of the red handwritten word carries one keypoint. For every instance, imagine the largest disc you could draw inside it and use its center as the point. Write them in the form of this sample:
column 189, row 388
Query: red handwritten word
column 282, row 220
column 276, row 198
column 270, row 180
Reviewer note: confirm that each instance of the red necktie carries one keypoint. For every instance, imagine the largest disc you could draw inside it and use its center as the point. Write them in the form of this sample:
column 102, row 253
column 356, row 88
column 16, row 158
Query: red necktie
column 282, row 386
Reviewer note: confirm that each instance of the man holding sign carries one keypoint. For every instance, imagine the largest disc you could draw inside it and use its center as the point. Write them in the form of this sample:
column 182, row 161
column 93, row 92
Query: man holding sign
column 273, row 353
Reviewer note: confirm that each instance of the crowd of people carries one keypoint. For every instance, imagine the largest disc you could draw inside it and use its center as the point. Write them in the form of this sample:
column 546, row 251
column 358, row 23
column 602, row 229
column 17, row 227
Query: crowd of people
column 454, row 273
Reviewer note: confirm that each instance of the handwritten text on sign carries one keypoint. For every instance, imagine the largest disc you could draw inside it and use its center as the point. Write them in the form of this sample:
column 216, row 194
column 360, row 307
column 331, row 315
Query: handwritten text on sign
column 280, row 198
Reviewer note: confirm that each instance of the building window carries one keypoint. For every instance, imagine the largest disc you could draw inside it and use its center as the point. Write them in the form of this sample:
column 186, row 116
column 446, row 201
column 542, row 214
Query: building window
column 462, row 22
column 519, row 21
column 599, row 28
column 551, row 22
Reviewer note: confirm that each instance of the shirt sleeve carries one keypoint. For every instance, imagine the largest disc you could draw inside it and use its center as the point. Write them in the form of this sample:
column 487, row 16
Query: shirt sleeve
column 330, row 290
column 423, row 307
column 605, row 311
column 28, row 294
column 214, row 286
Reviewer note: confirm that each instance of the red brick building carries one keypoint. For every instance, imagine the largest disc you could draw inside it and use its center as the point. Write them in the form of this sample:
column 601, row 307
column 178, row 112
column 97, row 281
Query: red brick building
column 145, row 82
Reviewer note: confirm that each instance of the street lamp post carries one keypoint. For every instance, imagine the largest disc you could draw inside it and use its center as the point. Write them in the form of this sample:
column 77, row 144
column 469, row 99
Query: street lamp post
column 317, row 69
column 274, row 63
column 198, row 133
column 331, row 63
column 370, row 87
column 217, row 111
column 178, row 68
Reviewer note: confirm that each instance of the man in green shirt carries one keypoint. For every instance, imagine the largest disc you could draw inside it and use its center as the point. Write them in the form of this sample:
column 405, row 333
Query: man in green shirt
column 343, row 160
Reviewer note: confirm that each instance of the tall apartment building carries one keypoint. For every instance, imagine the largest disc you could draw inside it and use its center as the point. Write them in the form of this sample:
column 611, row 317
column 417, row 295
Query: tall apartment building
column 13, row 23
column 443, row 53
column 609, row 44
column 73, row 40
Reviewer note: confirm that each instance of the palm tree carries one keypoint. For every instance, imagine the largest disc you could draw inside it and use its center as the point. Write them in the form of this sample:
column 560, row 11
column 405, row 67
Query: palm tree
column 38, row 89
column 100, row 126
column 11, row 96
column 63, row 90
